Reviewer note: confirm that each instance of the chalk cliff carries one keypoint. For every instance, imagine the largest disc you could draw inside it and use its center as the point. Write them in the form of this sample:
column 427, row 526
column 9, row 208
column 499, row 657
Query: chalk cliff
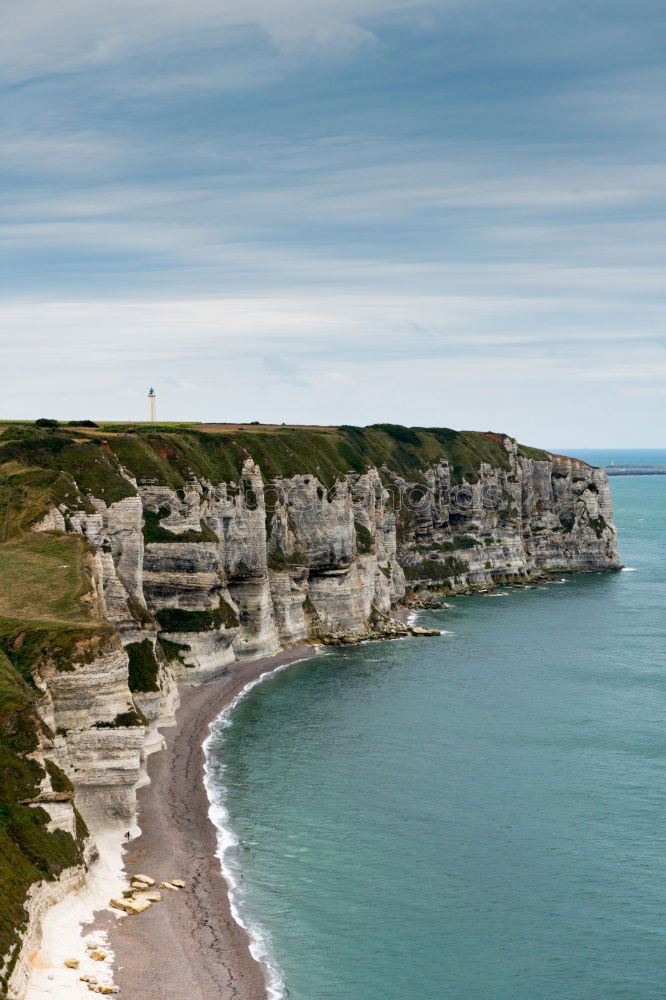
column 199, row 550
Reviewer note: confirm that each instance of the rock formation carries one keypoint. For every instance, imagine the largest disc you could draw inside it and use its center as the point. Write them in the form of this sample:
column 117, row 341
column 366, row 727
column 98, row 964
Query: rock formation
column 201, row 550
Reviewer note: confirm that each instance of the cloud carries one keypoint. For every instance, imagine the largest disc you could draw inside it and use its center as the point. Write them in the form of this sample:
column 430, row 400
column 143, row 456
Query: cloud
column 337, row 209
column 333, row 359
column 40, row 38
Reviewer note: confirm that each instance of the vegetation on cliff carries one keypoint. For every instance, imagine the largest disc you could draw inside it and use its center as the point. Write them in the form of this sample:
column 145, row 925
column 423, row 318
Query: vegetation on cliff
column 153, row 531
column 28, row 850
column 173, row 457
column 433, row 571
column 143, row 666
column 184, row 620
column 101, row 461
column 47, row 599
column 30, row 853
column 43, row 618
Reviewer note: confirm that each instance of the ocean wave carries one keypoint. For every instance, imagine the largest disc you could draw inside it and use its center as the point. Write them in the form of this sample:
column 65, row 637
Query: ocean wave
column 228, row 844
column 629, row 569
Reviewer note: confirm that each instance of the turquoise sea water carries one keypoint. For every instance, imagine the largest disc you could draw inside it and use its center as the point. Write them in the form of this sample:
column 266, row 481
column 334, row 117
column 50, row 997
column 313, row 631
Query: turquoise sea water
column 480, row 816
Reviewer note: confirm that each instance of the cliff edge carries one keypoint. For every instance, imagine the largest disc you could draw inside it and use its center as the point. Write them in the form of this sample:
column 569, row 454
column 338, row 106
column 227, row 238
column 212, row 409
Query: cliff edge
column 135, row 559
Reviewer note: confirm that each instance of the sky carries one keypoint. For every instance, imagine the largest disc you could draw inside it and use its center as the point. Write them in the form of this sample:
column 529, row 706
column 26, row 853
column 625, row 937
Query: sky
column 302, row 211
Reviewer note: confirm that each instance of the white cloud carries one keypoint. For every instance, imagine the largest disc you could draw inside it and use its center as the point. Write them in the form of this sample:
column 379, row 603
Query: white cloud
column 444, row 249
column 335, row 359
column 41, row 37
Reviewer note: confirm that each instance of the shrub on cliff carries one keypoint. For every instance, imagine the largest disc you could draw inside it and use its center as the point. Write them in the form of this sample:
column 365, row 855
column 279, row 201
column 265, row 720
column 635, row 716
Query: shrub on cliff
column 431, row 569
column 29, row 854
column 184, row 620
column 28, row 851
column 278, row 559
column 143, row 667
column 364, row 539
column 154, row 532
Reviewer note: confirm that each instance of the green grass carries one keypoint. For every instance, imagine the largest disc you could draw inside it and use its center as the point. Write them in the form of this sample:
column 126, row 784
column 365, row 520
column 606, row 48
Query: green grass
column 28, row 644
column 42, row 615
column 18, row 723
column 172, row 454
column 20, row 729
column 91, row 463
column 26, row 495
column 536, row 454
column 43, row 576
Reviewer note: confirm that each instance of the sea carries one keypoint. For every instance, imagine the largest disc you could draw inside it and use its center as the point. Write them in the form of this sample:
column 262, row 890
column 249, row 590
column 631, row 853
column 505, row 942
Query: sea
column 479, row 816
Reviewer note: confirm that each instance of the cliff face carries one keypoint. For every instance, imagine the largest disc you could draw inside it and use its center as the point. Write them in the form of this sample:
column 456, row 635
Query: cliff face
column 196, row 577
column 197, row 552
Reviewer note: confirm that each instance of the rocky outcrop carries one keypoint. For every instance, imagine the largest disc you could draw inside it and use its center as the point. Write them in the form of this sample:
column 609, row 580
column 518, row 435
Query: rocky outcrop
column 534, row 517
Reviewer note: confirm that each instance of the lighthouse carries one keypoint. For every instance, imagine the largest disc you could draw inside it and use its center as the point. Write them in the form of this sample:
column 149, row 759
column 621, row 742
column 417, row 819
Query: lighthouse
column 152, row 403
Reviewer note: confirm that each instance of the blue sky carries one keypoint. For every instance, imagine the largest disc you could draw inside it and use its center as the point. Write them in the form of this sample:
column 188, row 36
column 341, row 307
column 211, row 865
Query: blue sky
column 434, row 214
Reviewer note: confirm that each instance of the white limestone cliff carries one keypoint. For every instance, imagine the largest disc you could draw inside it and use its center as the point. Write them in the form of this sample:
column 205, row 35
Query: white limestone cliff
column 237, row 570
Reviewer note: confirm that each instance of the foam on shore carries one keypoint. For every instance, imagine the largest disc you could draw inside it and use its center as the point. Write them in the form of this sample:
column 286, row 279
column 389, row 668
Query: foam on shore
column 228, row 846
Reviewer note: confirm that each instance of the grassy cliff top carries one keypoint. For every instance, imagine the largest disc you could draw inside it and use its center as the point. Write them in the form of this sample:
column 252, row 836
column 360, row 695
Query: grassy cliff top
column 171, row 454
column 44, row 580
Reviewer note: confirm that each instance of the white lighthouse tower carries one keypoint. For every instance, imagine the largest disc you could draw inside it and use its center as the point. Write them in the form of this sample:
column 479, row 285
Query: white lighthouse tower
column 152, row 404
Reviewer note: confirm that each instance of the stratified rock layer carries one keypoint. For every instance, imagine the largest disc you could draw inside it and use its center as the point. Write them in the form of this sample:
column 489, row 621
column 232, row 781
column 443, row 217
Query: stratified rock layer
column 243, row 568
column 197, row 577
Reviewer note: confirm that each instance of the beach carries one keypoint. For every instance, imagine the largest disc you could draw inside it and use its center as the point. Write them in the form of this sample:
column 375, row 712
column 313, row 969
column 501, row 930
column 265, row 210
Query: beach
column 188, row 947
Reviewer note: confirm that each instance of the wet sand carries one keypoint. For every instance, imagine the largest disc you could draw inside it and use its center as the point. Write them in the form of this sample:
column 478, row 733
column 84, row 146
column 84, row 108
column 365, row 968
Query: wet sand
column 188, row 947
